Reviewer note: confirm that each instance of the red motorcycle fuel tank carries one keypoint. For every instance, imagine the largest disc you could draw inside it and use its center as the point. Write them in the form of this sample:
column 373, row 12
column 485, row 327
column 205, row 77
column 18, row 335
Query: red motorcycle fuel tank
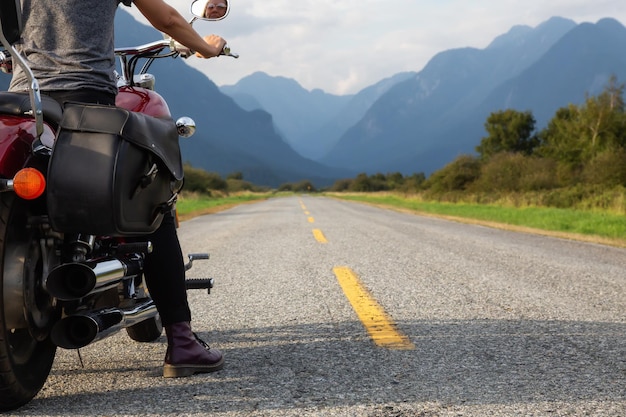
column 142, row 100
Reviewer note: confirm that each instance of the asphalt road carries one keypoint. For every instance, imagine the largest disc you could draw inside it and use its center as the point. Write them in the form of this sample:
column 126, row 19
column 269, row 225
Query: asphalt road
column 496, row 323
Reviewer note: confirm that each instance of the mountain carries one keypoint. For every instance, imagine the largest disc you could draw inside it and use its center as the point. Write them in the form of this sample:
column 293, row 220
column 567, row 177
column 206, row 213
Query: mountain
column 321, row 140
column 425, row 122
column 580, row 63
column 295, row 110
column 310, row 121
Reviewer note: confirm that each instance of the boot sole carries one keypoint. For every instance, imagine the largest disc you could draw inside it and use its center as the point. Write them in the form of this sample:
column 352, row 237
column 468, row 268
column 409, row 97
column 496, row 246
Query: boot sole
column 178, row 371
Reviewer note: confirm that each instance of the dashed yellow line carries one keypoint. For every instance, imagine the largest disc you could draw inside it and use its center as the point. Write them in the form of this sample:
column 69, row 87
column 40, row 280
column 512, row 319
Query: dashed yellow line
column 377, row 322
column 319, row 236
column 311, row 220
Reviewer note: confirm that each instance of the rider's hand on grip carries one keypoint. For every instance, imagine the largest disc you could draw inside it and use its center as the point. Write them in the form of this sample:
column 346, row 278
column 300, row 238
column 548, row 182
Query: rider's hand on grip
column 216, row 42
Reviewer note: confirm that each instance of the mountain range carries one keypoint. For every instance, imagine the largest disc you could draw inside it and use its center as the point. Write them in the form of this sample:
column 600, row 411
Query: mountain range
column 420, row 121
column 273, row 131
column 310, row 121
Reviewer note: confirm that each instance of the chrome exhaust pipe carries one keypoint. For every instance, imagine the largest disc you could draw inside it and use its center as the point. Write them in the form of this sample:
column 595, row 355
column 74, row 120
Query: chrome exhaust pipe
column 80, row 330
column 73, row 281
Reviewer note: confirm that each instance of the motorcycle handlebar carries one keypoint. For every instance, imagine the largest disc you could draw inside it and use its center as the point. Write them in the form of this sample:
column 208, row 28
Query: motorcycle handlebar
column 157, row 46
column 130, row 55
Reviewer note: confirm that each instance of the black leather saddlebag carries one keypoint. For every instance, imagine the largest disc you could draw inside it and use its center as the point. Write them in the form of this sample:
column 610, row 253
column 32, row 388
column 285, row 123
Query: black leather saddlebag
column 112, row 171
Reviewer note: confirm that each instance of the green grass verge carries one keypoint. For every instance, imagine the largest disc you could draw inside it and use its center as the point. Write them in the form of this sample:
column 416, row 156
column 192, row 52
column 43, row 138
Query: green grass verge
column 190, row 205
column 583, row 222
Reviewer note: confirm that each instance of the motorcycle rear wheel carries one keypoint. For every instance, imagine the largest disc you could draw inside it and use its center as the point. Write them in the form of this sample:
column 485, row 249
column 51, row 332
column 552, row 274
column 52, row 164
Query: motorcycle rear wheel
column 26, row 351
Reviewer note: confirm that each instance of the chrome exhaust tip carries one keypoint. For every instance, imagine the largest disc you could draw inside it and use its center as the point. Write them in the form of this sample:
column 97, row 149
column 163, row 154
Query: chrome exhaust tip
column 73, row 281
column 80, row 330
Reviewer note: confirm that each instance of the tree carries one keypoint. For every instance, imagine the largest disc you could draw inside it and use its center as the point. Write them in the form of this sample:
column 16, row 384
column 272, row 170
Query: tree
column 602, row 120
column 579, row 133
column 414, row 183
column 508, row 131
column 560, row 140
column 362, row 183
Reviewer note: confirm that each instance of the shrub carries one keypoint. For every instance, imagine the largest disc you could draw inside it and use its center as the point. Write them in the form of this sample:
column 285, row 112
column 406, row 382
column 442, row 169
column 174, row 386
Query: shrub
column 607, row 168
column 456, row 176
column 199, row 180
column 516, row 172
column 342, row 185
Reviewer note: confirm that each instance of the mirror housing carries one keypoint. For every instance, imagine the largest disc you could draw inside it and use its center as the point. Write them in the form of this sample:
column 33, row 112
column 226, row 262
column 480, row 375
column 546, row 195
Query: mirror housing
column 11, row 20
column 218, row 9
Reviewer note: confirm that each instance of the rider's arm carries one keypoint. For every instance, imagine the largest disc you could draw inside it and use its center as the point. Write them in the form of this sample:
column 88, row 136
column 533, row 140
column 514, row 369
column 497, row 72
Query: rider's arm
column 167, row 19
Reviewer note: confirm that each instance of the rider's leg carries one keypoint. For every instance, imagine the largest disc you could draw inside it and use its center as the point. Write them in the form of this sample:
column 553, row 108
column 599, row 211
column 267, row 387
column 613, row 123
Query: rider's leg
column 165, row 277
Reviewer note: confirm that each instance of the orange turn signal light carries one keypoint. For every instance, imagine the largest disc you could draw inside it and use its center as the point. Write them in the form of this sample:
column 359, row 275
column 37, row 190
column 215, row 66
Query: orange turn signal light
column 29, row 183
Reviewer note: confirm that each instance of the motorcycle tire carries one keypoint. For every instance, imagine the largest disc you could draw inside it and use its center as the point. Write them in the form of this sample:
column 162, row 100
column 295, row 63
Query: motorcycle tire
column 26, row 351
column 146, row 331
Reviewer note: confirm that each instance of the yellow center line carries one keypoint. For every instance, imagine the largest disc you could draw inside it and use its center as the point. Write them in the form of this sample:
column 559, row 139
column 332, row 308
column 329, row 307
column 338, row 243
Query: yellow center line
column 377, row 322
column 311, row 220
column 319, row 236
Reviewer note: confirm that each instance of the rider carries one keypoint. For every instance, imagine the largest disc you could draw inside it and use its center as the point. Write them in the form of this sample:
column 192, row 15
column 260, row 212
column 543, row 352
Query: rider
column 70, row 49
column 215, row 9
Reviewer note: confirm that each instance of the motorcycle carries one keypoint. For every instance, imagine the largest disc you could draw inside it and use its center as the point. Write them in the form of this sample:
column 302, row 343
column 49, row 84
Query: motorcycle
column 61, row 286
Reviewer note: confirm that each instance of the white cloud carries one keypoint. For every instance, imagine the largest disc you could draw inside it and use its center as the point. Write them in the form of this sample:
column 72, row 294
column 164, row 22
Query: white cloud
column 342, row 46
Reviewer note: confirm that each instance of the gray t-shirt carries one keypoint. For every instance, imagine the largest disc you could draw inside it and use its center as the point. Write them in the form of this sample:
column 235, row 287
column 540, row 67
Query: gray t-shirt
column 68, row 44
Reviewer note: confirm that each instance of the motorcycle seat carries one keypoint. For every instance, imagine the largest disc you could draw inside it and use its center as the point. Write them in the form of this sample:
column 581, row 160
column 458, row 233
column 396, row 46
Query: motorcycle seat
column 18, row 104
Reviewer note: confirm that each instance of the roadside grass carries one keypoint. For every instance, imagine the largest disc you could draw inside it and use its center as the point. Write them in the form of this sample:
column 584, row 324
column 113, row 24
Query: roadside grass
column 589, row 225
column 190, row 205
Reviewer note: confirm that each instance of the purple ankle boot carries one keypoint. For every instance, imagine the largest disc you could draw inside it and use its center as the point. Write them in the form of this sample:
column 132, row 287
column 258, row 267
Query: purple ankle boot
column 187, row 354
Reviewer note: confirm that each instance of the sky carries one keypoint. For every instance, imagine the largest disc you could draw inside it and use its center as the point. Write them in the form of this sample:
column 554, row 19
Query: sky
column 343, row 46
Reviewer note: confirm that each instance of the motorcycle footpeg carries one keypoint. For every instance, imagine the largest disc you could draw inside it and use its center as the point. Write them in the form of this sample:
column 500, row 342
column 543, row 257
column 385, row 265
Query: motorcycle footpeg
column 134, row 247
column 200, row 284
column 193, row 257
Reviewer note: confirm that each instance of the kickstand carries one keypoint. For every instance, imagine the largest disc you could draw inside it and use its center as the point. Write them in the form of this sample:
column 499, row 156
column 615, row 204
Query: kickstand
column 80, row 358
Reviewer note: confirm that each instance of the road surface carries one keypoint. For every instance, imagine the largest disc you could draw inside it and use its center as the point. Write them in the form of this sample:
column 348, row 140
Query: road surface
column 329, row 308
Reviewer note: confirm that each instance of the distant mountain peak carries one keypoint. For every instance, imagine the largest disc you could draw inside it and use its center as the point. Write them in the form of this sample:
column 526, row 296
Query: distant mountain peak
column 608, row 23
column 516, row 33
column 520, row 34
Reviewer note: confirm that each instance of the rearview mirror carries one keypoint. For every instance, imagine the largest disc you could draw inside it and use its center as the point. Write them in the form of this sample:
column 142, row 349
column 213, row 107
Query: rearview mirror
column 210, row 9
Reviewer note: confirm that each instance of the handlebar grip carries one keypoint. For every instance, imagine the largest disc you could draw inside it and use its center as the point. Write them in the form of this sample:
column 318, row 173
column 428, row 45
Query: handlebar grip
column 227, row 52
